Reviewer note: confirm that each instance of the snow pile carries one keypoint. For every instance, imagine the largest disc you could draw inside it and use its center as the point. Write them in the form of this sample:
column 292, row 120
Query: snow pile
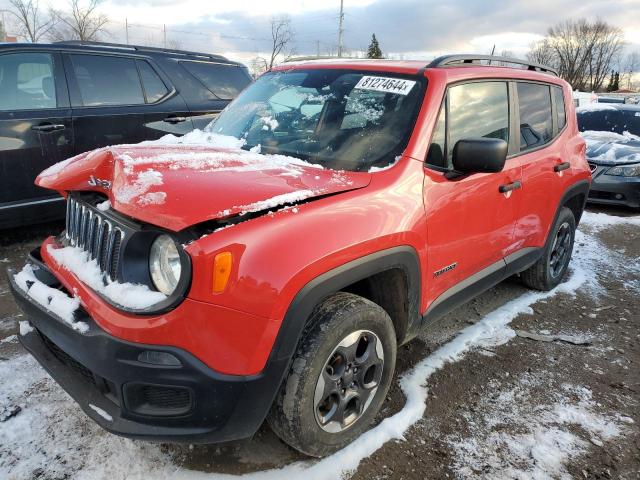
column 125, row 192
column 234, row 159
column 52, row 299
column 199, row 137
column 104, row 206
column 595, row 107
column 101, row 412
column 153, row 198
column 274, row 202
column 591, row 136
column 128, row 295
column 222, row 161
column 24, row 327
column 599, row 221
column 611, row 147
column 270, row 123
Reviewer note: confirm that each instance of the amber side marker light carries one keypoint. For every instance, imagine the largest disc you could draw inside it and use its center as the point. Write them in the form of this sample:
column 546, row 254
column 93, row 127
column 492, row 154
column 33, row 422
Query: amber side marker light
column 221, row 271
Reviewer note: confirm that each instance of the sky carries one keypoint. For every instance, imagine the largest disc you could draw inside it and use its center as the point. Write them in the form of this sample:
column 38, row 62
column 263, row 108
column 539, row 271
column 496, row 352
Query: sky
column 240, row 29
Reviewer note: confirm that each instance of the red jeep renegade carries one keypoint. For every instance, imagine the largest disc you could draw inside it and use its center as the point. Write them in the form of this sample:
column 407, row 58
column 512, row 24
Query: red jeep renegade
column 269, row 267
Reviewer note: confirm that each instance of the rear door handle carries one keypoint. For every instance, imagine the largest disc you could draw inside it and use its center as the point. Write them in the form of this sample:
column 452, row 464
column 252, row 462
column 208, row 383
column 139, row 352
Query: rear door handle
column 175, row 119
column 48, row 127
column 509, row 187
column 561, row 166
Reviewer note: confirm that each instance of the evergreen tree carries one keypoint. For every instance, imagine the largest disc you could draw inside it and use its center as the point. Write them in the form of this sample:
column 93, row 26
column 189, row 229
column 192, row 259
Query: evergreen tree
column 374, row 48
column 616, row 82
column 610, row 84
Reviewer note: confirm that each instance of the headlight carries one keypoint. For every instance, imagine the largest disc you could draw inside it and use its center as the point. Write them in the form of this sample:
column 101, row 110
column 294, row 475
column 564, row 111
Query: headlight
column 164, row 264
column 624, row 171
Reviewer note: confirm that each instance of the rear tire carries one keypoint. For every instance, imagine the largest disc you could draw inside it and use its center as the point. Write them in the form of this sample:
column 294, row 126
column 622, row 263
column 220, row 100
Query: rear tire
column 339, row 376
column 549, row 270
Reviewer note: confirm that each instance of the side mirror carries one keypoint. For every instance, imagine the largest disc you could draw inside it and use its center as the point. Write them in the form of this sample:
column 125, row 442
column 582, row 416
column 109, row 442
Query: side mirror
column 479, row 155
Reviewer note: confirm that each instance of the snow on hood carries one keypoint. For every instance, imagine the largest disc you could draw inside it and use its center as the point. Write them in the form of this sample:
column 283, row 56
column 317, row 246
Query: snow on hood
column 175, row 182
column 612, row 148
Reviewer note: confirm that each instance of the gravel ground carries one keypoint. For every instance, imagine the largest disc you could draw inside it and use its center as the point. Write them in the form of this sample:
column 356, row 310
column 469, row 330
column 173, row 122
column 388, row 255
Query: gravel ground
column 485, row 403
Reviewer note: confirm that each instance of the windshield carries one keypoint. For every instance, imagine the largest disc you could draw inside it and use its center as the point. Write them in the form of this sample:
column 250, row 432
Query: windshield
column 610, row 120
column 342, row 119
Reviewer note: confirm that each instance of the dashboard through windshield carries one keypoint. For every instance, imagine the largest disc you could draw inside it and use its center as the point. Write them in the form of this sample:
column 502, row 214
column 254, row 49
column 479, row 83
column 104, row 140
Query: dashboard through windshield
column 342, row 119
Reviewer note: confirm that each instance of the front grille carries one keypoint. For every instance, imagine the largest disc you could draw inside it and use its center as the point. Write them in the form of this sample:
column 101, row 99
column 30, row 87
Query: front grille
column 96, row 234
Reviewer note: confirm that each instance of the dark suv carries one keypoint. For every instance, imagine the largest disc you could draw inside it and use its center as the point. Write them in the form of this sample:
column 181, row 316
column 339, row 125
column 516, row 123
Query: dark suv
column 59, row 100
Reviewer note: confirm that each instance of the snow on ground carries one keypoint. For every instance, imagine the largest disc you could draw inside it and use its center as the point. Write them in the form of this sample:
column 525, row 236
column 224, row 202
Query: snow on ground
column 546, row 439
column 52, row 435
column 128, row 295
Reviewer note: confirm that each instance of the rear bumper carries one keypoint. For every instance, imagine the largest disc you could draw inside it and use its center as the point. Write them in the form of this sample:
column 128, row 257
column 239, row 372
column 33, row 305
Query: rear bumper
column 187, row 402
column 614, row 190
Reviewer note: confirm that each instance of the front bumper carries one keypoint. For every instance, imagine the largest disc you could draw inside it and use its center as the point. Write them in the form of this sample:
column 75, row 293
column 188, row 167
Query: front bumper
column 614, row 190
column 187, row 402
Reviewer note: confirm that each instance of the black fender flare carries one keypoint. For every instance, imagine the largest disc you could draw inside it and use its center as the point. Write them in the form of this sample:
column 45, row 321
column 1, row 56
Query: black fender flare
column 579, row 188
column 403, row 257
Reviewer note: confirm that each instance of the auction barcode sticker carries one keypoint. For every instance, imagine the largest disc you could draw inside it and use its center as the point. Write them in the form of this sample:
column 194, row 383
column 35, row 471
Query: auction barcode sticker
column 386, row 84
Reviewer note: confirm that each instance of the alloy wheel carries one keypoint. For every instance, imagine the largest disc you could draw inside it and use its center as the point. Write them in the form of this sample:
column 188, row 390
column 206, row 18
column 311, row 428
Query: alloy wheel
column 560, row 250
column 349, row 381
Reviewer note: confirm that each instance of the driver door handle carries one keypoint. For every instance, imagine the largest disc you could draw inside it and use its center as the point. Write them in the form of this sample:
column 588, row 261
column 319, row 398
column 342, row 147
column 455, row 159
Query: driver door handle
column 175, row 119
column 561, row 166
column 510, row 186
column 48, row 127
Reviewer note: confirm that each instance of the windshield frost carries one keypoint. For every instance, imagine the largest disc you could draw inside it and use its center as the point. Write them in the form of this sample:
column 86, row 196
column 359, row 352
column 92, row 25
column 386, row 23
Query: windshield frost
column 341, row 119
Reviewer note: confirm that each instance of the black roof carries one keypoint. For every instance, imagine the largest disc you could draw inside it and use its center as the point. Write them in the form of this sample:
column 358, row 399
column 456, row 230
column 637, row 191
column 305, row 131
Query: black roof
column 118, row 48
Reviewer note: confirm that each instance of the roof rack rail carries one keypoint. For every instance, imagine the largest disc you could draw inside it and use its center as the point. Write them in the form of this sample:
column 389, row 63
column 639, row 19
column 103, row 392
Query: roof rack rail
column 141, row 48
column 451, row 60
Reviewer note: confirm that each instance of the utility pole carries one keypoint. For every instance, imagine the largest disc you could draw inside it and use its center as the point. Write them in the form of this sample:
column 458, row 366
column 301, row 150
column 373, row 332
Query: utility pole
column 126, row 30
column 318, row 48
column 340, row 29
column 164, row 34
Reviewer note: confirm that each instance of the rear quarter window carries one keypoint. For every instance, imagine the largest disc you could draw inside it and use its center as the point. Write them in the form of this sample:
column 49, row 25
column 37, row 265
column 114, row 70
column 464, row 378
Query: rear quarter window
column 561, row 113
column 105, row 80
column 224, row 81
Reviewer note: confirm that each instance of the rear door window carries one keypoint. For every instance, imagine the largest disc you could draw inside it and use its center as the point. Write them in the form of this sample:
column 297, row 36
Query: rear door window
column 27, row 82
column 224, row 81
column 105, row 80
column 536, row 126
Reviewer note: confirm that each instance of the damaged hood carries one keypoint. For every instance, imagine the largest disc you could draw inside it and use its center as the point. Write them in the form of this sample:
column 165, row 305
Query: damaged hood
column 610, row 148
column 176, row 186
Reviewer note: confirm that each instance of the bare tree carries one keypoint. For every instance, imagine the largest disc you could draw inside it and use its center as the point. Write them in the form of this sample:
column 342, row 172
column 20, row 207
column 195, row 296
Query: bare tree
column 281, row 38
column 33, row 24
column 83, row 22
column 542, row 52
column 582, row 51
column 632, row 68
column 258, row 66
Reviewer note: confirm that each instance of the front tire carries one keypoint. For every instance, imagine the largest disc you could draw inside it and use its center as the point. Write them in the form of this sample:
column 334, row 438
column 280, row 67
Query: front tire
column 548, row 271
column 339, row 377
